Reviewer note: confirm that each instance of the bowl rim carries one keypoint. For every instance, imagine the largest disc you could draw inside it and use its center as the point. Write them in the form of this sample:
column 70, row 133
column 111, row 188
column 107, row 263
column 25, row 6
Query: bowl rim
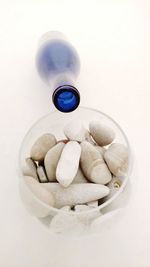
column 103, row 205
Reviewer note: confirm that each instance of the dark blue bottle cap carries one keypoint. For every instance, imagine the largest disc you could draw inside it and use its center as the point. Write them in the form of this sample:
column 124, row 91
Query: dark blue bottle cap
column 66, row 98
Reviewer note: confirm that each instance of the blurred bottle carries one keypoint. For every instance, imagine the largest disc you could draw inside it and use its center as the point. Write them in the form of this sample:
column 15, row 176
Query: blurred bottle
column 58, row 65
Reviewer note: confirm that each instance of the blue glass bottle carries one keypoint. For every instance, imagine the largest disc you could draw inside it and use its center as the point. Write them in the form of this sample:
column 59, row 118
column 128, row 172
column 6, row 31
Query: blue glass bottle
column 58, row 65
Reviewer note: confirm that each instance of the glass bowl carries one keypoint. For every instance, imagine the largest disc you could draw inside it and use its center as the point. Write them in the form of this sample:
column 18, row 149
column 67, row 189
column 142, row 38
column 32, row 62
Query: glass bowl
column 59, row 220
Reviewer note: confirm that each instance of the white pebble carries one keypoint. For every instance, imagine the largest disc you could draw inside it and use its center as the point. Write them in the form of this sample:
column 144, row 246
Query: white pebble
column 84, row 216
column 80, row 208
column 116, row 158
column 75, row 131
column 66, row 208
column 79, row 178
column 93, row 204
column 102, row 134
column 76, row 193
column 93, row 165
column 51, row 161
column 42, row 175
column 30, row 168
column 100, row 149
column 41, row 146
column 66, row 223
column 68, row 164
column 39, row 191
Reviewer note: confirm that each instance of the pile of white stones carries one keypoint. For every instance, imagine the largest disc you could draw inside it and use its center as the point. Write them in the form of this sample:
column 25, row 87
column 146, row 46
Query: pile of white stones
column 78, row 172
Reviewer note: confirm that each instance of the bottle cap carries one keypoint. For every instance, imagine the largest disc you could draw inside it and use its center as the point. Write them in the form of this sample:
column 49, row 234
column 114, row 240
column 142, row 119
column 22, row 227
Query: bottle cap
column 66, row 98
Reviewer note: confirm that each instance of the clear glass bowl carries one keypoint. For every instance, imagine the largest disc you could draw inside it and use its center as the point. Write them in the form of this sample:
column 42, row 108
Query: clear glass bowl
column 57, row 220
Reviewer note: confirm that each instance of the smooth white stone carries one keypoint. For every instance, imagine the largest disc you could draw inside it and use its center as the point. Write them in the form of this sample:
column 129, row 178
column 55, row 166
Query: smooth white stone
column 66, row 223
column 79, row 208
column 93, row 165
column 66, row 208
column 30, row 168
column 41, row 174
column 100, row 149
column 84, row 216
column 51, row 161
column 80, row 178
column 68, row 164
column 89, row 154
column 100, row 173
column 75, row 131
column 76, row 193
column 102, row 134
column 93, row 204
column 116, row 158
column 41, row 146
column 34, row 206
column 39, row 191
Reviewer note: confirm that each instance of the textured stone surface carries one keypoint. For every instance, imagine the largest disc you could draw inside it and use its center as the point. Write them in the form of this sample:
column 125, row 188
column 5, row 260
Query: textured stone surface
column 51, row 161
column 116, row 158
column 75, row 131
column 76, row 193
column 39, row 191
column 93, row 165
column 102, row 134
column 100, row 149
column 41, row 146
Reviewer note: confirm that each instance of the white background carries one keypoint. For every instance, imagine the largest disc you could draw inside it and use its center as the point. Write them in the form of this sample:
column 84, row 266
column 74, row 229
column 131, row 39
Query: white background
column 113, row 40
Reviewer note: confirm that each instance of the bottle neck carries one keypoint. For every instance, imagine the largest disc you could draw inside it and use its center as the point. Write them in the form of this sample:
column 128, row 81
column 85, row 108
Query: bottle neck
column 66, row 97
column 61, row 80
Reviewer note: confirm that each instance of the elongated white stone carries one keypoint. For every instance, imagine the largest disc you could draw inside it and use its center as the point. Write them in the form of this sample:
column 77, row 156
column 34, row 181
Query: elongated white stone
column 75, row 131
column 41, row 146
column 102, row 134
column 51, row 161
column 41, row 174
column 68, row 164
column 116, row 158
column 39, row 191
column 30, row 168
column 76, row 193
column 101, row 149
column 93, row 165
